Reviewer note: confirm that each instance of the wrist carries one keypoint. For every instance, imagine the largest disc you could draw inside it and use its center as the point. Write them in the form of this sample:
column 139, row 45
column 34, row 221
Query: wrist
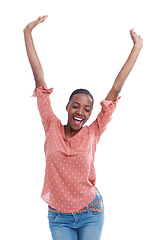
column 27, row 30
column 138, row 46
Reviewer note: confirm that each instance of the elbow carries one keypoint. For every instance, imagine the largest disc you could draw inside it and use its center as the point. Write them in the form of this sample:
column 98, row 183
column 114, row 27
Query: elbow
column 113, row 95
column 40, row 83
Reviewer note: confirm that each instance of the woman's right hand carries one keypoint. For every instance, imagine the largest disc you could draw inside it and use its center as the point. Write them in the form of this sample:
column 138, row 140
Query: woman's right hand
column 33, row 24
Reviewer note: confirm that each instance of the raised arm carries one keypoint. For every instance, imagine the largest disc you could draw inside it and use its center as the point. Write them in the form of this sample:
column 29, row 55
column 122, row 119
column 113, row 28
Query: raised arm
column 123, row 74
column 31, row 52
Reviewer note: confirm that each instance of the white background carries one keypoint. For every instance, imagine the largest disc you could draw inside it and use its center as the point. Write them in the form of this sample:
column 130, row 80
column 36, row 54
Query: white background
column 82, row 44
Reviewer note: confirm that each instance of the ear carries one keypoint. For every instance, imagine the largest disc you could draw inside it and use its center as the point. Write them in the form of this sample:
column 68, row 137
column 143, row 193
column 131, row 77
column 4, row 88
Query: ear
column 67, row 108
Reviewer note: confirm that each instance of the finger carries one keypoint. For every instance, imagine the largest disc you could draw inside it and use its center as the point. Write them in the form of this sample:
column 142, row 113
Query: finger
column 44, row 17
column 41, row 19
column 134, row 34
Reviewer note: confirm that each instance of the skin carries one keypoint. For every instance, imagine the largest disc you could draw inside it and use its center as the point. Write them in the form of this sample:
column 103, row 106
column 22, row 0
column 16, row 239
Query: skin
column 70, row 128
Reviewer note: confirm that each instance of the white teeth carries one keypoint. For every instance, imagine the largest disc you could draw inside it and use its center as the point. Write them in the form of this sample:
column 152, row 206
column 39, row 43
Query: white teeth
column 79, row 119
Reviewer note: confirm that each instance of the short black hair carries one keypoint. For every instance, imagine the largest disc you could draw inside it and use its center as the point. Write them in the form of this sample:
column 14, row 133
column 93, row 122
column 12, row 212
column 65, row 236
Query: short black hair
column 81, row 90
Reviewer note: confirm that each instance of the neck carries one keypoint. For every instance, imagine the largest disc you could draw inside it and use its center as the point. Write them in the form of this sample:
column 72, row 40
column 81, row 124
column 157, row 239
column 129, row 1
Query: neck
column 69, row 132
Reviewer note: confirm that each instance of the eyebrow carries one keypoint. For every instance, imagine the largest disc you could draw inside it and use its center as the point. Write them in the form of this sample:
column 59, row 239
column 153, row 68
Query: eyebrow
column 85, row 105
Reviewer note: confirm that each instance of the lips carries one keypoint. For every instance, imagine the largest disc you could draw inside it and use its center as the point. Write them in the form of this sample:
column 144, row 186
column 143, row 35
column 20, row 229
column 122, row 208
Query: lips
column 78, row 121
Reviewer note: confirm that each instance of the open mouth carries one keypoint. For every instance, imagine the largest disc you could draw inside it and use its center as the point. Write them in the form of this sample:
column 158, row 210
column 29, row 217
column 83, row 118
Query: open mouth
column 78, row 121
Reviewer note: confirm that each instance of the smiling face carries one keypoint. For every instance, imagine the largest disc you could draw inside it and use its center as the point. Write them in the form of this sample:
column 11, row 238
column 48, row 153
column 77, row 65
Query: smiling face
column 79, row 110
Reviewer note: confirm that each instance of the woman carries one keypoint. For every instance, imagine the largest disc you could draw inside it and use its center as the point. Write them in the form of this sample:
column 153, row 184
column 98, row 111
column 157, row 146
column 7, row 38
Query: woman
column 75, row 206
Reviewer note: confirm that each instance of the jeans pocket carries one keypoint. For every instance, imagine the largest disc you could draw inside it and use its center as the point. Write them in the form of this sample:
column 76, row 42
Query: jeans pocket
column 98, row 206
column 52, row 216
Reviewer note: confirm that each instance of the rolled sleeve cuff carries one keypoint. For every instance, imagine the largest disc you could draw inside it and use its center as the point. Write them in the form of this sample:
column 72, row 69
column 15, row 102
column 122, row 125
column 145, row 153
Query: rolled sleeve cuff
column 41, row 90
column 105, row 104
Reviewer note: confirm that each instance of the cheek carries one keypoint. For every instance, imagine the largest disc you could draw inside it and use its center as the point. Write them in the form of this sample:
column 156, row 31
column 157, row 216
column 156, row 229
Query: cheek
column 70, row 113
column 88, row 114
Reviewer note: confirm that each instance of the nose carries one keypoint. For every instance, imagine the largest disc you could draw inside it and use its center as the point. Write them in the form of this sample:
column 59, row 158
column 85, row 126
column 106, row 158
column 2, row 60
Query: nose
column 80, row 111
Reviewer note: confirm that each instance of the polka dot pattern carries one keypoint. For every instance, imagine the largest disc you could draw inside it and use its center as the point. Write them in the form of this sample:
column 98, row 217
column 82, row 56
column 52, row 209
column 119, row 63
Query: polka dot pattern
column 70, row 177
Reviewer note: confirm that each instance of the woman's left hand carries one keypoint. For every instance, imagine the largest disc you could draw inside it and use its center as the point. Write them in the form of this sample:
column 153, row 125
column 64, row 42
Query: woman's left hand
column 137, row 40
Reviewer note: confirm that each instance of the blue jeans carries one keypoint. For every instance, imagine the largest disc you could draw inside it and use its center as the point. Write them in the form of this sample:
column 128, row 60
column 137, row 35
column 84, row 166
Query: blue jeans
column 77, row 226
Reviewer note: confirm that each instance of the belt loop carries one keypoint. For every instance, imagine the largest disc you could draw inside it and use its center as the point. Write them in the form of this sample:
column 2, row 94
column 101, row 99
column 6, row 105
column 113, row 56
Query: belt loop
column 88, row 208
column 58, row 212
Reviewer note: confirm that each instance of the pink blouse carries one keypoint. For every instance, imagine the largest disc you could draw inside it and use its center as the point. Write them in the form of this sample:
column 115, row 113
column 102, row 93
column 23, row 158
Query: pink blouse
column 70, row 177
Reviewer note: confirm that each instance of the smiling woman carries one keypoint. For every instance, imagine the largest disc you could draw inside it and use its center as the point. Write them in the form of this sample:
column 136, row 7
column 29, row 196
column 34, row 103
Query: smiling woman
column 70, row 178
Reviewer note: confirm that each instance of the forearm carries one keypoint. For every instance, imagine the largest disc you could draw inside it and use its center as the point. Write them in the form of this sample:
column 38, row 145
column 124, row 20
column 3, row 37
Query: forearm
column 126, row 69
column 33, row 58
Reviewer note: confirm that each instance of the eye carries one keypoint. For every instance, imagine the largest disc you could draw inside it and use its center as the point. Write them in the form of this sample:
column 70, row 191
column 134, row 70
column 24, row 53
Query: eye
column 74, row 107
column 87, row 110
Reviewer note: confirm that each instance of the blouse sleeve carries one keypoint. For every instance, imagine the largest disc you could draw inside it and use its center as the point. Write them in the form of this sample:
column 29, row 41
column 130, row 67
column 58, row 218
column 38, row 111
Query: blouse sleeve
column 44, row 105
column 103, row 118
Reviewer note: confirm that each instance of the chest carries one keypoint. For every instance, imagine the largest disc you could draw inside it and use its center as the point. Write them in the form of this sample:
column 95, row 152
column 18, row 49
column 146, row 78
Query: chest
column 69, row 152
